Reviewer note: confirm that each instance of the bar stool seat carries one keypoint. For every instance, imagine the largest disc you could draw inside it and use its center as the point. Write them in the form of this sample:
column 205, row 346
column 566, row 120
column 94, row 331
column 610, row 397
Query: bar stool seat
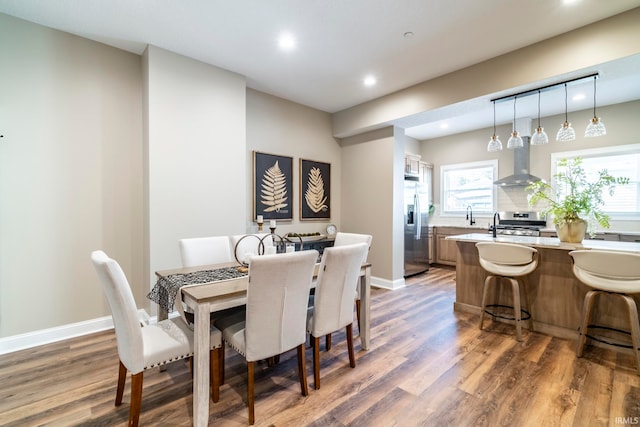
column 614, row 273
column 511, row 262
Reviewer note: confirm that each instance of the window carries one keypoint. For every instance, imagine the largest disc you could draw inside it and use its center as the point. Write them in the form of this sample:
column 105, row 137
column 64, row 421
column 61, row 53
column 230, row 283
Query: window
column 468, row 184
column 623, row 160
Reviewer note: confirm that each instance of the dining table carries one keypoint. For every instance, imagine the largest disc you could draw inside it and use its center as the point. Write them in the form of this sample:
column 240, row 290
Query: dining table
column 211, row 288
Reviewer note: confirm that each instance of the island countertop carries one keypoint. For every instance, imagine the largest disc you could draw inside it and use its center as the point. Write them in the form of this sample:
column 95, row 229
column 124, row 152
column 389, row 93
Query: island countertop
column 550, row 242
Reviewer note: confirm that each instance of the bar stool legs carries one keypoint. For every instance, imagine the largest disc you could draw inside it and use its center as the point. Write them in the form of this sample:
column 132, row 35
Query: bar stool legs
column 587, row 309
column 586, row 318
column 517, row 308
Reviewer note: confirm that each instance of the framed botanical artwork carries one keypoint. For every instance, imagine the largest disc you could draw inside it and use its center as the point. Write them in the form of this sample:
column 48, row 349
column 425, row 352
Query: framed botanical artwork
column 315, row 190
column 272, row 186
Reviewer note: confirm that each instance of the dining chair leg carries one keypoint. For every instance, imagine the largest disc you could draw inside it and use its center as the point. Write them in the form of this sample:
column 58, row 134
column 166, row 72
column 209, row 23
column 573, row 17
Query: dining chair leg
column 214, row 374
column 315, row 344
column 250, row 401
column 221, row 363
column 358, row 312
column 302, row 370
column 327, row 342
column 122, row 376
column 352, row 357
column 136, row 399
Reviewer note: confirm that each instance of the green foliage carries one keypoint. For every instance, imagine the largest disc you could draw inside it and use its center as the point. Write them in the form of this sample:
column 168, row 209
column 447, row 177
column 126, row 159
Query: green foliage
column 583, row 199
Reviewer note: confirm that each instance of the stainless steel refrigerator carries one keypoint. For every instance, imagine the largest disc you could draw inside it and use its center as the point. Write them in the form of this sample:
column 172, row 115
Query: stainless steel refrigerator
column 416, row 228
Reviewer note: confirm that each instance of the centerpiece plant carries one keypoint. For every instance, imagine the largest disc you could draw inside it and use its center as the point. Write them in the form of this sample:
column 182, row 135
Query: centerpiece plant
column 575, row 203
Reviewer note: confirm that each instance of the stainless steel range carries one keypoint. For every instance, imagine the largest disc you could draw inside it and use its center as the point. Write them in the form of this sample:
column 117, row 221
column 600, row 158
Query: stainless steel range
column 518, row 223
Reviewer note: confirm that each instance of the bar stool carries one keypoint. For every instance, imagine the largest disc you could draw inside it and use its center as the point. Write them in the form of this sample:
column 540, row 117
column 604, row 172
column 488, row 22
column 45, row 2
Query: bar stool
column 507, row 261
column 614, row 273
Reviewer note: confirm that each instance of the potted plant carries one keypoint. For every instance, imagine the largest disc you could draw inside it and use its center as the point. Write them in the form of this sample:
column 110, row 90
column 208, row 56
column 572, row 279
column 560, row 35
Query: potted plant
column 577, row 203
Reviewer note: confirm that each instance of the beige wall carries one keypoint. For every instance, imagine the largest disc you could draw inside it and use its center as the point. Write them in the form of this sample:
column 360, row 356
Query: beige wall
column 619, row 119
column 70, row 174
column 196, row 146
column 277, row 126
column 372, row 165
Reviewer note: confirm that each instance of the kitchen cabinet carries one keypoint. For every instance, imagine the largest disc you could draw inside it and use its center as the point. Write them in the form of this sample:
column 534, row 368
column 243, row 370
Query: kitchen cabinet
column 629, row 237
column 446, row 251
column 412, row 164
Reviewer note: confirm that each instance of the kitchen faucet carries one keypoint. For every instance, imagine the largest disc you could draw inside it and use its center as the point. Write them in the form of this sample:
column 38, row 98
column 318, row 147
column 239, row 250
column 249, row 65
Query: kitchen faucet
column 494, row 223
column 470, row 215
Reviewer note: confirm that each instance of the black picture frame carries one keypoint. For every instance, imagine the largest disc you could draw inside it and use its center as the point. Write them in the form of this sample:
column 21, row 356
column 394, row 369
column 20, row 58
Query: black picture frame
column 272, row 186
column 315, row 190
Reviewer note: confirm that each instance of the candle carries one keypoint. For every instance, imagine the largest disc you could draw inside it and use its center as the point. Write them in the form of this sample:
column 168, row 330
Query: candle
column 260, row 219
column 272, row 223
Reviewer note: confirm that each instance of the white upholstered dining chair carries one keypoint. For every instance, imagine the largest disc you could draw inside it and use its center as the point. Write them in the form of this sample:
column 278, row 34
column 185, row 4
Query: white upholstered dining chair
column 141, row 348
column 342, row 239
column 276, row 315
column 333, row 301
column 205, row 250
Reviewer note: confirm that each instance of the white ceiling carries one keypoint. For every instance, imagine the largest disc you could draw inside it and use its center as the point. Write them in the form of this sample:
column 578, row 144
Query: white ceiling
column 340, row 41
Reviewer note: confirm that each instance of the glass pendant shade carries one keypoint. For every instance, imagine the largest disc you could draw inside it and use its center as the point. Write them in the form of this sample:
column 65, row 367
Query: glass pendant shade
column 494, row 144
column 595, row 128
column 515, row 140
column 566, row 132
column 539, row 137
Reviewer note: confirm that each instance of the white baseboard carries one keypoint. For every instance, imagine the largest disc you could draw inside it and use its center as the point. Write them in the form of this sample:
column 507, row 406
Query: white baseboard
column 387, row 284
column 59, row 333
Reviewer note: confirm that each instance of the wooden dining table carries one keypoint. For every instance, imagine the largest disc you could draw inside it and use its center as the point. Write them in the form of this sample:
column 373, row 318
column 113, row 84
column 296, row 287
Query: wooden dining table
column 203, row 298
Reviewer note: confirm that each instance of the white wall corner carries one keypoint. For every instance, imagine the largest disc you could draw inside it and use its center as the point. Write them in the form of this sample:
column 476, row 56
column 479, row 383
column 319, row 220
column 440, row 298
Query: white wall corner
column 378, row 282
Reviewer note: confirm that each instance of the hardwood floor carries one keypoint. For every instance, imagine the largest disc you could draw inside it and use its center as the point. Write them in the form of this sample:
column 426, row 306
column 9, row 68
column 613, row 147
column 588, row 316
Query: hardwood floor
column 427, row 366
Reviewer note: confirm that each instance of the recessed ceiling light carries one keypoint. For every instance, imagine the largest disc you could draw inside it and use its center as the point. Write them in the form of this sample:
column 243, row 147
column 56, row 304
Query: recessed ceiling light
column 568, row 2
column 369, row 80
column 287, row 42
column 444, row 126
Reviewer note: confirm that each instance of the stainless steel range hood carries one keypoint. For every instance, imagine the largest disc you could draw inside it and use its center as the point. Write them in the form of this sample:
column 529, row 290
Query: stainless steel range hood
column 521, row 176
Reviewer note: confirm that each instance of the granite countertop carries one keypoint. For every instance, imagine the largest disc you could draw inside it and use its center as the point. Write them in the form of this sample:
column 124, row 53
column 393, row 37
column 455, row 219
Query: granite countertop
column 550, row 242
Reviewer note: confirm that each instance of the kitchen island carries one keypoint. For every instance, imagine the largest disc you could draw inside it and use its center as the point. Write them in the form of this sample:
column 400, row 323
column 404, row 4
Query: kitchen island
column 556, row 297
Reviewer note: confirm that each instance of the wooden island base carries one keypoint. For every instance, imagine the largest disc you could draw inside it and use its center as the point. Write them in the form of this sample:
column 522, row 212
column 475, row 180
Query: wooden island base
column 556, row 297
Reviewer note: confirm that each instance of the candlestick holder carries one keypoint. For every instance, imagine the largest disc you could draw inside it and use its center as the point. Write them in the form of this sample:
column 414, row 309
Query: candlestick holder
column 273, row 230
column 259, row 227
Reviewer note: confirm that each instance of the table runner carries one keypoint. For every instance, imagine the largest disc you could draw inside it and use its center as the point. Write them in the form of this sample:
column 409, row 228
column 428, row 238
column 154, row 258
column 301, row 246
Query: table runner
column 166, row 288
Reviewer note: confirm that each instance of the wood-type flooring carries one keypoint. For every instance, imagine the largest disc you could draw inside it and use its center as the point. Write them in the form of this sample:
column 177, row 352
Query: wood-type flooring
column 427, row 366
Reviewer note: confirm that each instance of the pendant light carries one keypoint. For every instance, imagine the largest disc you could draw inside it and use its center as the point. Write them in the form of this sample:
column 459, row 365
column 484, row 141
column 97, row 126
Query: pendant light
column 566, row 132
column 595, row 127
column 515, row 141
column 494, row 143
column 540, row 136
